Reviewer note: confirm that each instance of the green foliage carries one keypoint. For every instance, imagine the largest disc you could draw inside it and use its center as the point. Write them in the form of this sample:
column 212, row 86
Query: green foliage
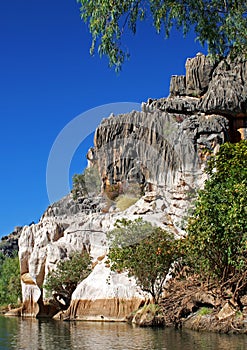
column 221, row 25
column 68, row 274
column 10, row 282
column 145, row 251
column 239, row 314
column 217, row 230
column 204, row 311
column 88, row 182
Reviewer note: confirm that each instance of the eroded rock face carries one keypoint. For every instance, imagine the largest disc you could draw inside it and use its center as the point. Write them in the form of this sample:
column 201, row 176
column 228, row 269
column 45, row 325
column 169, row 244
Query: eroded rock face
column 199, row 72
column 163, row 149
column 178, row 85
column 55, row 237
column 104, row 293
column 156, row 147
column 211, row 88
column 9, row 244
column 227, row 90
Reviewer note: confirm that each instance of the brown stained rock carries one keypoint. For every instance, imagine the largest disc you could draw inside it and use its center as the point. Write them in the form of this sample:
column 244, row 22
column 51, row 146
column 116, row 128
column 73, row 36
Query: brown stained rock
column 14, row 312
column 27, row 279
column 109, row 309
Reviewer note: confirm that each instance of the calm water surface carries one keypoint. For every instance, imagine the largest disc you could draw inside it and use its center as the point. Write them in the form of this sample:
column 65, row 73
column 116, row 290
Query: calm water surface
column 32, row 334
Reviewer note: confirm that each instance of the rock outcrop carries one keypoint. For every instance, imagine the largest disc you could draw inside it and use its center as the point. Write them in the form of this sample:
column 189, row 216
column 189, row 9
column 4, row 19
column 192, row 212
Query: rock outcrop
column 105, row 296
column 9, row 244
column 211, row 88
column 199, row 71
column 66, row 227
column 162, row 150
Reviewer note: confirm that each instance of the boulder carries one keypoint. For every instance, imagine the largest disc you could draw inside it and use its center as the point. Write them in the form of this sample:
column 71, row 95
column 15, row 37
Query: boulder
column 106, row 296
column 148, row 316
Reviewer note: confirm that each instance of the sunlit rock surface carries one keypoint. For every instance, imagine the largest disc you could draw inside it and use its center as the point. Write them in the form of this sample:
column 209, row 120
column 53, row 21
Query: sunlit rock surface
column 105, row 295
column 163, row 149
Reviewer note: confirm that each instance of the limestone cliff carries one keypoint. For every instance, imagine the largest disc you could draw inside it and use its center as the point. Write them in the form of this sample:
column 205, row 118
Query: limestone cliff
column 163, row 150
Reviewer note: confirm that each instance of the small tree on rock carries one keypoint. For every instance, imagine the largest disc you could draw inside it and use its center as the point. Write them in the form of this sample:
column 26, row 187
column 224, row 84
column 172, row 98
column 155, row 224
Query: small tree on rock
column 68, row 274
column 145, row 251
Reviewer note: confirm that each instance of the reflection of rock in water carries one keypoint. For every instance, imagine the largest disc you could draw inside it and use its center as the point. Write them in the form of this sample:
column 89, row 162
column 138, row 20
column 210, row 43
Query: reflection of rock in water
column 32, row 334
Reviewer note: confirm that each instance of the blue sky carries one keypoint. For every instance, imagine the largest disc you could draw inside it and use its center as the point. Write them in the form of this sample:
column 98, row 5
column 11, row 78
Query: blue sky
column 47, row 78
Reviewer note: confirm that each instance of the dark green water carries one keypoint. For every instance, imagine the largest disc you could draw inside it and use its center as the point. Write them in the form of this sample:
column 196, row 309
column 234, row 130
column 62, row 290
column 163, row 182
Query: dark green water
column 48, row 335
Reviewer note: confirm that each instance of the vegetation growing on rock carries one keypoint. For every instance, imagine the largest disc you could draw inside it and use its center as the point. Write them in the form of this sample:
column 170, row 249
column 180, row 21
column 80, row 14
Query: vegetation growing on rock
column 68, row 274
column 147, row 252
column 213, row 275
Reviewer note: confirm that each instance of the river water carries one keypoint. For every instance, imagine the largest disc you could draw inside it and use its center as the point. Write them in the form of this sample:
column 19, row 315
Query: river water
column 16, row 333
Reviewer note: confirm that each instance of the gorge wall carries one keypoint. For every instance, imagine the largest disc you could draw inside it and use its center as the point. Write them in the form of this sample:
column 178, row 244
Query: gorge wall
column 162, row 150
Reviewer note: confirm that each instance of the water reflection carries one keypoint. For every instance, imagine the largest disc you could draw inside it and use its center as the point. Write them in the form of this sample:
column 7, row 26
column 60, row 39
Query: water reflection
column 24, row 334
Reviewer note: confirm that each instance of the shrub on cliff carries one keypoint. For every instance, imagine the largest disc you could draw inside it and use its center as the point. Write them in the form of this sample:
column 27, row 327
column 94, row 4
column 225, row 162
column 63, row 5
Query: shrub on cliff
column 10, row 282
column 68, row 274
column 217, row 231
column 87, row 182
column 145, row 251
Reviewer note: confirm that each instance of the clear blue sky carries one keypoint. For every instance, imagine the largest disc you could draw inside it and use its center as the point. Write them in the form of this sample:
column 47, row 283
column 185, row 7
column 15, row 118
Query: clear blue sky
column 47, row 78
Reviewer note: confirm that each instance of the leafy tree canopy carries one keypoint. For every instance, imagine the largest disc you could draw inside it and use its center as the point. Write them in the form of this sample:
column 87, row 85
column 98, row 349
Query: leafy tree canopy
column 217, row 231
column 145, row 251
column 221, row 24
column 68, row 274
column 10, row 283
